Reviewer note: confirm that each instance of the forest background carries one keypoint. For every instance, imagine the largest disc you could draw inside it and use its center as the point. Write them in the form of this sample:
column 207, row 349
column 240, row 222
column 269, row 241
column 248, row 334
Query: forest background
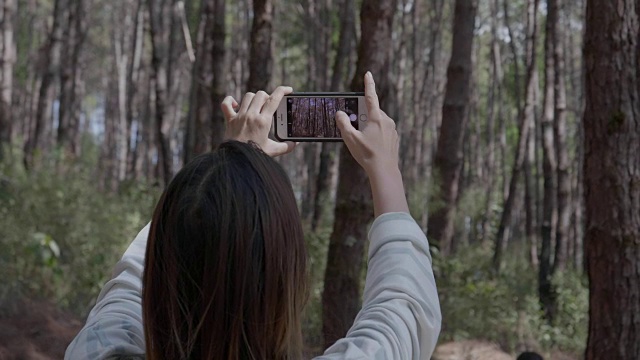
column 103, row 101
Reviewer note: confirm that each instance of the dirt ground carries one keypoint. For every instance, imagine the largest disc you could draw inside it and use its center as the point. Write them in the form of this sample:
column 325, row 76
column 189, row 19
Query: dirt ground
column 38, row 331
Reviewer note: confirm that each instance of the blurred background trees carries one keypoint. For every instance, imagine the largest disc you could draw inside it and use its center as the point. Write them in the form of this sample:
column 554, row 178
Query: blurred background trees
column 101, row 102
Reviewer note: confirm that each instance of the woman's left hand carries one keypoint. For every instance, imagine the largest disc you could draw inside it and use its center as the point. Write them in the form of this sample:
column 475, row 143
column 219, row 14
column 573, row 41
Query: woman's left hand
column 253, row 120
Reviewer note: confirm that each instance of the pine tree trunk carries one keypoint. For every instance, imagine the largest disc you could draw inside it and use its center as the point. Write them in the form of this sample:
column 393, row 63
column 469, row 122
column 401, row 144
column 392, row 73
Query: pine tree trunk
column 530, row 188
column 345, row 259
column 70, row 80
column 7, row 59
column 160, row 19
column 123, row 25
column 260, row 54
column 560, row 137
column 50, row 62
column 612, row 178
column 448, row 158
column 549, row 209
column 528, row 115
column 134, row 89
column 328, row 156
column 205, row 124
column 494, row 100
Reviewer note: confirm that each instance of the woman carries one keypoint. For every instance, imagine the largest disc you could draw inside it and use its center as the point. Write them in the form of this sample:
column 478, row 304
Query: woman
column 225, row 268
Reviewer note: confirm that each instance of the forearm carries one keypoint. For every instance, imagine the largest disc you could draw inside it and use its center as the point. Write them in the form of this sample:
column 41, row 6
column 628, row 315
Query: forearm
column 400, row 316
column 388, row 191
column 114, row 326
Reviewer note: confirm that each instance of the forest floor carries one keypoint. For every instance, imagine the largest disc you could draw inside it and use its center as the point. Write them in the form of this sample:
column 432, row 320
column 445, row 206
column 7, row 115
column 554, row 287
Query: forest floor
column 38, row 331
column 41, row 331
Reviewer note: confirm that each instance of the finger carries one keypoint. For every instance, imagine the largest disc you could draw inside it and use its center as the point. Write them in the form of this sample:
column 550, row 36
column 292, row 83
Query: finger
column 344, row 124
column 246, row 101
column 228, row 105
column 273, row 102
column 370, row 95
column 257, row 102
column 279, row 148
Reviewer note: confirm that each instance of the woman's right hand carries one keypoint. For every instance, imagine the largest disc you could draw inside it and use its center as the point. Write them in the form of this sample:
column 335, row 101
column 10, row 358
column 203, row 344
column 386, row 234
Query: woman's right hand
column 375, row 148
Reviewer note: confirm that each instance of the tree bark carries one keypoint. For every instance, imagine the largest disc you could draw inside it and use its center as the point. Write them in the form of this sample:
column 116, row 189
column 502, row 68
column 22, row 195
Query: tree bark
column 260, row 54
column 328, row 156
column 50, row 62
column 134, row 89
column 549, row 210
column 494, row 98
column 70, row 80
column 528, row 115
column 448, row 158
column 205, row 124
column 560, row 138
column 612, row 178
column 530, row 185
column 161, row 20
column 123, row 24
column 7, row 59
column 353, row 211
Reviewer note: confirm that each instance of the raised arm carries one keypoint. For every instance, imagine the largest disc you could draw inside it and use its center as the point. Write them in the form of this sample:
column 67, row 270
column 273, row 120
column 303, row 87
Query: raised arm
column 400, row 316
column 114, row 326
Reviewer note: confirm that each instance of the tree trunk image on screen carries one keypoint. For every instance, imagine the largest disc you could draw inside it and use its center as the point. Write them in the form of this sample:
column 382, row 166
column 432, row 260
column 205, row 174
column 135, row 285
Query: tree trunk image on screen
column 315, row 117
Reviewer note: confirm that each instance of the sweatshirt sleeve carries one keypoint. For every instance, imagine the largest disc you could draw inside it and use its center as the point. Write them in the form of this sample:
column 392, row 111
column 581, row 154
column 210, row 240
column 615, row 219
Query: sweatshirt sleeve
column 114, row 326
column 400, row 316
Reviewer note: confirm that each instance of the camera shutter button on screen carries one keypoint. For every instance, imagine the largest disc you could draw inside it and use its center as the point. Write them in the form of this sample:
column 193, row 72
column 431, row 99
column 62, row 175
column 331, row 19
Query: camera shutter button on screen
column 363, row 117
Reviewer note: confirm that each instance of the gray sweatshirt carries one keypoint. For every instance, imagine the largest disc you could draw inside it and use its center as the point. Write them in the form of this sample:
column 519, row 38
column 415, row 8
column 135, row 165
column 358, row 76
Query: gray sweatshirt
column 400, row 316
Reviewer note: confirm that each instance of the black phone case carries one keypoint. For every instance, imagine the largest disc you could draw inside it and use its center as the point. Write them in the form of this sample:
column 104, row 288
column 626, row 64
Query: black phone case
column 308, row 94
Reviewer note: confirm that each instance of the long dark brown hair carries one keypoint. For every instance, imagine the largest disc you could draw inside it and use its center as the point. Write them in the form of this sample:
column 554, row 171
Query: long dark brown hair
column 225, row 268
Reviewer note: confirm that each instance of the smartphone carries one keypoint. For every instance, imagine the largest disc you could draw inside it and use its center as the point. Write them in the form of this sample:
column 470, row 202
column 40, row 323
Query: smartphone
column 312, row 116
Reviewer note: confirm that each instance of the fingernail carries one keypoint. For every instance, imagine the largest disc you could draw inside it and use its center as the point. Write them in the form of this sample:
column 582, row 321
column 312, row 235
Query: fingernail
column 369, row 74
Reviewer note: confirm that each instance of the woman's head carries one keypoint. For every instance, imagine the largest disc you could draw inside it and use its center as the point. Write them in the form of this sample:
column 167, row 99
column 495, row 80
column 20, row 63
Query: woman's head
column 225, row 268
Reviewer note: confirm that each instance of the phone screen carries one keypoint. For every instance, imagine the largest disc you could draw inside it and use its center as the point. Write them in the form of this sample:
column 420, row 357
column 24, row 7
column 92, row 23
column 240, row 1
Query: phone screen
column 315, row 117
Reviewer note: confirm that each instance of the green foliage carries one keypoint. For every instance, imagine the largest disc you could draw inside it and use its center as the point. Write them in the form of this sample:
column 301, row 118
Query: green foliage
column 317, row 248
column 61, row 234
column 476, row 304
column 470, row 212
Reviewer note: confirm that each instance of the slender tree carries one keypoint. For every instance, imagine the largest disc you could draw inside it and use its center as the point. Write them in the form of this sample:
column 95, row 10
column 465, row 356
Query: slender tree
column 122, row 16
column 495, row 110
column 135, row 88
column 527, row 118
column 328, row 156
column 7, row 59
column 549, row 209
column 70, row 107
column 353, row 210
column 560, row 138
column 612, row 177
column 448, row 158
column 205, row 124
column 260, row 53
column 163, row 20
column 49, row 62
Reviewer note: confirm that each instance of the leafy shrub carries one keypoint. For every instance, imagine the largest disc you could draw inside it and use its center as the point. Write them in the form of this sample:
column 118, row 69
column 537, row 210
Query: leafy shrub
column 317, row 248
column 504, row 308
column 62, row 235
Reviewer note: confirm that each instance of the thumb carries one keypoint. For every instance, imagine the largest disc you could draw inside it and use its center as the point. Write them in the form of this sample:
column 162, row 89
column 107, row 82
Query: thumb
column 274, row 148
column 344, row 124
